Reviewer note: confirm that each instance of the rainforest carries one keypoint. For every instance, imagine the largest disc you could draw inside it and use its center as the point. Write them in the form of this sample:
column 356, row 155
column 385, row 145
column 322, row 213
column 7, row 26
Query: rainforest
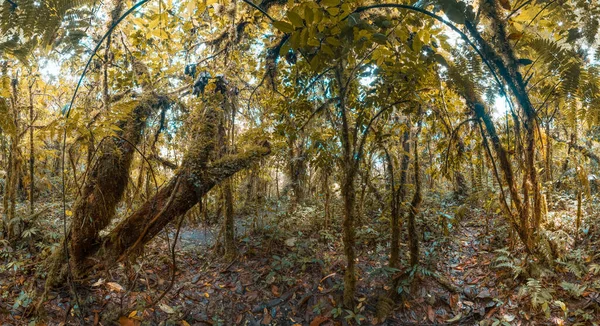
column 296, row 162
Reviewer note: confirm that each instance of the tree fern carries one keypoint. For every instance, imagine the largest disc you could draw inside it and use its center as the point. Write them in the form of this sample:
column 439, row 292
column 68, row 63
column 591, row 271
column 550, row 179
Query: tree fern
column 550, row 52
column 32, row 22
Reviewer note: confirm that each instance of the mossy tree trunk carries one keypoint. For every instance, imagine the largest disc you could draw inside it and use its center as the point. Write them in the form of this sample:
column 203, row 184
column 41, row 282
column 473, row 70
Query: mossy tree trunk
column 415, row 205
column 104, row 187
column 197, row 175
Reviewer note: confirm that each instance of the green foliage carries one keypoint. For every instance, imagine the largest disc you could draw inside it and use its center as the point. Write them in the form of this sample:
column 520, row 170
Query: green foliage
column 539, row 295
column 506, row 259
column 575, row 290
column 26, row 24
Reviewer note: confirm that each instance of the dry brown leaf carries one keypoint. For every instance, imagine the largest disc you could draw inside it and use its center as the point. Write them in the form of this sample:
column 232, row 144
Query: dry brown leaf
column 267, row 317
column 238, row 318
column 318, row 321
column 275, row 290
column 99, row 282
column 430, row 314
column 124, row 321
column 113, row 286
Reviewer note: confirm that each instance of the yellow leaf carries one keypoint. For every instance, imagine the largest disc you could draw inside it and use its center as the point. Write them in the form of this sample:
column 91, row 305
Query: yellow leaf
column 133, row 314
column 330, row 3
column 283, row 26
column 68, row 213
column 184, row 323
column 206, row 294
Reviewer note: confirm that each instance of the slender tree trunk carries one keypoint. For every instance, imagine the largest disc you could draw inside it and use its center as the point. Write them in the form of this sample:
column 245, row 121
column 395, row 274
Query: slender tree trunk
column 394, row 212
column 579, row 214
column 349, row 167
column 31, row 151
column 415, row 205
column 9, row 200
column 548, row 153
column 327, row 198
column 349, row 196
column 230, row 250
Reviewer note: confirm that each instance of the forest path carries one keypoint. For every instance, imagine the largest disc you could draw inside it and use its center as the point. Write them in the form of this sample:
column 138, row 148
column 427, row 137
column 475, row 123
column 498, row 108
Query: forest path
column 466, row 264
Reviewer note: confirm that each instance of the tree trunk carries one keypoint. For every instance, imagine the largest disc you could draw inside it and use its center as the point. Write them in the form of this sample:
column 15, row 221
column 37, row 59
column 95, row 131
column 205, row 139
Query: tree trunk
column 104, row 187
column 12, row 173
column 193, row 180
column 171, row 201
column 415, row 205
column 349, row 196
column 229, row 230
column 349, row 167
column 394, row 212
column 31, row 157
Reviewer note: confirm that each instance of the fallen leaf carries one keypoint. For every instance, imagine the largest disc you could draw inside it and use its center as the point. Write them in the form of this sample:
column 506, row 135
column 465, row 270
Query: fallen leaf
column 484, row 294
column 133, row 314
column 455, row 318
column 453, row 301
column 318, row 321
column 113, row 286
column 166, row 308
column 290, row 242
column 267, row 317
column 99, row 282
column 275, row 290
column 430, row 314
column 184, row 323
column 326, row 277
column 124, row 321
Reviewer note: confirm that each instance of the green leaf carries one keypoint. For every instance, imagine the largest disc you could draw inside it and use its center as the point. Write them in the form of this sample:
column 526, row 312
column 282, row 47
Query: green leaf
column 333, row 11
column 283, row 26
column 455, row 15
column 309, row 15
column 333, row 41
column 295, row 19
column 313, row 42
column 330, row 3
column 440, row 59
column 326, row 49
column 380, row 38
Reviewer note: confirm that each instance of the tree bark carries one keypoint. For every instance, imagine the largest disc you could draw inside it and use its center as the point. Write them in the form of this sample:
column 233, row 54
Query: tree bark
column 193, row 180
column 415, row 205
column 104, row 188
column 394, row 212
column 31, row 157
column 171, row 201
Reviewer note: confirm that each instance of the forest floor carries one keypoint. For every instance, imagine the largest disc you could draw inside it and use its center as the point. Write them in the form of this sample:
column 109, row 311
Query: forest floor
column 290, row 272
